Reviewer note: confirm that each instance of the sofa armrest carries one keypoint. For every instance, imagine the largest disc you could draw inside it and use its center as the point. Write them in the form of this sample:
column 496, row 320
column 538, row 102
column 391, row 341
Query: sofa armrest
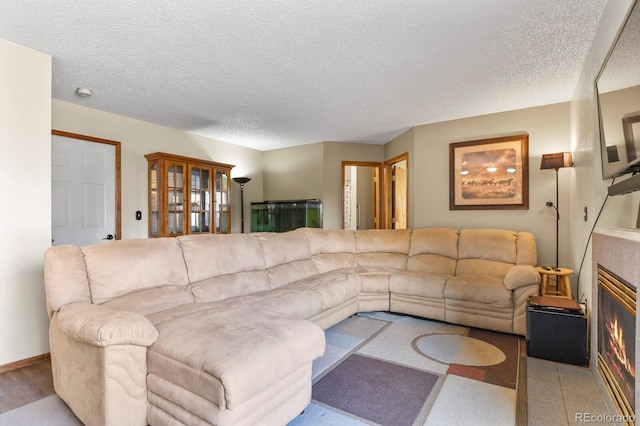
column 521, row 276
column 102, row 326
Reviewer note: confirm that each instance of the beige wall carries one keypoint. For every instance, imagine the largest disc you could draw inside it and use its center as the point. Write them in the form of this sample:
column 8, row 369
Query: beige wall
column 314, row 171
column 139, row 138
column 25, row 189
column 588, row 188
column 293, row 173
column 548, row 130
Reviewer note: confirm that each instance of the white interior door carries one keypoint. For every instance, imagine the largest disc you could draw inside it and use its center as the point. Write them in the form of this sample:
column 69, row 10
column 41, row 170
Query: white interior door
column 83, row 191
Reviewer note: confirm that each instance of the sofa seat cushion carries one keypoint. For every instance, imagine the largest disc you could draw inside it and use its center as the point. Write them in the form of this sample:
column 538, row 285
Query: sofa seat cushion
column 418, row 284
column 334, row 287
column 481, row 288
column 148, row 301
column 305, row 298
column 228, row 355
column 231, row 285
column 289, row 301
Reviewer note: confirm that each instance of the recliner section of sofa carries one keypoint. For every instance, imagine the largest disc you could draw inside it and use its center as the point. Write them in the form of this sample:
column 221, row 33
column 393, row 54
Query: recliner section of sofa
column 223, row 329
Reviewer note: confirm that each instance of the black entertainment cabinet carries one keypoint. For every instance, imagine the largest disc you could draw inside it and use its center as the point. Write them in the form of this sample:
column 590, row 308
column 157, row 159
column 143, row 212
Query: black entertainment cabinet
column 557, row 331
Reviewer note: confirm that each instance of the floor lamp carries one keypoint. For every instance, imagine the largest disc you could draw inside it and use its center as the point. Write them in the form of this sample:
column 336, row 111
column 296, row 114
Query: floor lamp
column 241, row 181
column 555, row 161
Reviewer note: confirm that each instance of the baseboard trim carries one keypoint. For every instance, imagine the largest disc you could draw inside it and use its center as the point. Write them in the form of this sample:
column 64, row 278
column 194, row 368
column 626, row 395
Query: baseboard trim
column 23, row 363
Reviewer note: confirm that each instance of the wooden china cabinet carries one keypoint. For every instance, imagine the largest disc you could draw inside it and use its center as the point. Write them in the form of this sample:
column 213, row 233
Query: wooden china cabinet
column 188, row 196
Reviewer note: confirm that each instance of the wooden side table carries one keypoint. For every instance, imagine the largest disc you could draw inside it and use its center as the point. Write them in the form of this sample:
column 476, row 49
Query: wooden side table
column 564, row 285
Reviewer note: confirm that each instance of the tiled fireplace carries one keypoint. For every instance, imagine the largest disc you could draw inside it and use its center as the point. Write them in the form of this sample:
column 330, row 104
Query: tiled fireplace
column 615, row 329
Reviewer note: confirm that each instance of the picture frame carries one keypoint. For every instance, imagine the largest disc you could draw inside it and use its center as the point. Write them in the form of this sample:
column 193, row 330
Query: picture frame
column 489, row 174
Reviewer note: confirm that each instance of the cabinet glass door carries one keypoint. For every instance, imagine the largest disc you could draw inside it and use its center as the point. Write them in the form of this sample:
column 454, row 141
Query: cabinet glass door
column 154, row 202
column 222, row 202
column 200, row 208
column 175, row 199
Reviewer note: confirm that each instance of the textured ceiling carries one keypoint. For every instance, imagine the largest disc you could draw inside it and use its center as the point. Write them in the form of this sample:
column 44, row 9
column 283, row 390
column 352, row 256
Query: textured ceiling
column 271, row 74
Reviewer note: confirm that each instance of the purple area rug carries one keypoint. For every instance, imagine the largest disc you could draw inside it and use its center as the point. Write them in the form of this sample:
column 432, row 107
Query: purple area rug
column 379, row 391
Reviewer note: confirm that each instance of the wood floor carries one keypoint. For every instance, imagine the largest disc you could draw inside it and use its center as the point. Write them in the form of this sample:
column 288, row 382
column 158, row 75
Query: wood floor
column 25, row 385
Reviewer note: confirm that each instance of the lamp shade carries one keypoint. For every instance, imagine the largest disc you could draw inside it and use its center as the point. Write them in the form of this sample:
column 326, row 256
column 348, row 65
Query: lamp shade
column 241, row 180
column 556, row 161
column 549, row 209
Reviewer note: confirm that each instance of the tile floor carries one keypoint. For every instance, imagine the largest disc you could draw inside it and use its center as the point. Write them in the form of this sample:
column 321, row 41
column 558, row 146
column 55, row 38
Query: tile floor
column 563, row 394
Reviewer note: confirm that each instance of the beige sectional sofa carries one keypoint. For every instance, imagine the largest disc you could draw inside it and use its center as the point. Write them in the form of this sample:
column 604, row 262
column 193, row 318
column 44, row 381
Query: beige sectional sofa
column 223, row 329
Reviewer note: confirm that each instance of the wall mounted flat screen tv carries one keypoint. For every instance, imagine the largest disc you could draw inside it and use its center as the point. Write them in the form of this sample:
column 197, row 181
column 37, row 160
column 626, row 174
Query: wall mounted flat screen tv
column 618, row 92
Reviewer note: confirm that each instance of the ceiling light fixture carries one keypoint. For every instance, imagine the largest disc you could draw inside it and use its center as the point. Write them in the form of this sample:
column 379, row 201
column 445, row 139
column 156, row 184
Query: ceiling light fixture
column 83, row 92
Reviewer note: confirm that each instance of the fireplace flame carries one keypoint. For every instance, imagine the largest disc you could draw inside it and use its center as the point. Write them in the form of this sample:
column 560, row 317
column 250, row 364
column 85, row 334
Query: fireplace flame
column 617, row 346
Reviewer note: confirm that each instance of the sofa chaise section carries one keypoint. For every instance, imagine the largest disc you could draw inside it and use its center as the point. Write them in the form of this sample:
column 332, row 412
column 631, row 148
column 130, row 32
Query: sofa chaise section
column 230, row 365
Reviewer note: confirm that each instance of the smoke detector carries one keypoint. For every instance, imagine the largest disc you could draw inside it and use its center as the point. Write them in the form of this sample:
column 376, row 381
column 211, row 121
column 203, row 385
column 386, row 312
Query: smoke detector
column 83, row 92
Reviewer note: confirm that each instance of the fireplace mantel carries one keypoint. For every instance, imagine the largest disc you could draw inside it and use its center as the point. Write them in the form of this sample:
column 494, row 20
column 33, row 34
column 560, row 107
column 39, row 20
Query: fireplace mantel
column 618, row 250
column 632, row 234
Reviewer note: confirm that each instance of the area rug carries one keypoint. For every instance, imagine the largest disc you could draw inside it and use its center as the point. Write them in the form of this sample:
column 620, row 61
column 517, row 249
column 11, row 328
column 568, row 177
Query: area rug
column 50, row 411
column 382, row 392
column 389, row 369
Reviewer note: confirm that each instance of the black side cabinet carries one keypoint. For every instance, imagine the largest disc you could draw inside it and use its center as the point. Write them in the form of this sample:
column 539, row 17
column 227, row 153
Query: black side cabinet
column 557, row 335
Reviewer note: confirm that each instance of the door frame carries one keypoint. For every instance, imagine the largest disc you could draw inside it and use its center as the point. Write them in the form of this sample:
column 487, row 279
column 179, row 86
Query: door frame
column 377, row 189
column 388, row 192
column 115, row 144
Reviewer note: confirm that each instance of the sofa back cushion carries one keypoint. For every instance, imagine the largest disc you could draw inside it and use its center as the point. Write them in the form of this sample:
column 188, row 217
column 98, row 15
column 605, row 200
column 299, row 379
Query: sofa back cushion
column 387, row 248
column 122, row 268
column 224, row 265
column 486, row 251
column 287, row 257
column 65, row 277
column 331, row 249
column 433, row 250
column 527, row 251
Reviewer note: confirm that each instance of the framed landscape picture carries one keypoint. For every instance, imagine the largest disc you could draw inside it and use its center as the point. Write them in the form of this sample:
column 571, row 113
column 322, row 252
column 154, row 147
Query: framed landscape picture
column 489, row 174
